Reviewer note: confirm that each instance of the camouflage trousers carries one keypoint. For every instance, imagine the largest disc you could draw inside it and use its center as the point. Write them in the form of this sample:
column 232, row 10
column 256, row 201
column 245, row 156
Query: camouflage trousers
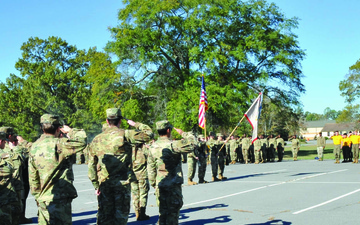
column 16, row 209
column 170, row 202
column 233, row 155
column 191, row 167
column 57, row 213
column 114, row 202
column 202, row 167
column 245, row 152
column 295, row 151
column 337, row 152
column 5, row 214
column 320, row 151
column 257, row 155
column 139, row 192
column 355, row 150
column 221, row 163
column 214, row 165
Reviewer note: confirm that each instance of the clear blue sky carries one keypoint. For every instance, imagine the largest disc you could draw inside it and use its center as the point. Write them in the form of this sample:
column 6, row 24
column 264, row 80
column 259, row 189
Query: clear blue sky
column 328, row 31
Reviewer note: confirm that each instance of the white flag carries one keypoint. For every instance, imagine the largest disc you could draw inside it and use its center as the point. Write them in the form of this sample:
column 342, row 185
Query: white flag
column 253, row 114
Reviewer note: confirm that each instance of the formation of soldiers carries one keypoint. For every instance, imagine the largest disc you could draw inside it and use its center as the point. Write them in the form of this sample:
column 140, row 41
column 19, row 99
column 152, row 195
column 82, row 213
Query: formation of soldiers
column 121, row 163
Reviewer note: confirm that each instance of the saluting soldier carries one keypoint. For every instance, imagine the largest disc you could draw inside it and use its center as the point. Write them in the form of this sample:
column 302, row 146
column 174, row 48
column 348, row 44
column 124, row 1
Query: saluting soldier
column 165, row 173
column 50, row 170
column 295, row 146
column 110, row 171
column 280, row 145
column 320, row 142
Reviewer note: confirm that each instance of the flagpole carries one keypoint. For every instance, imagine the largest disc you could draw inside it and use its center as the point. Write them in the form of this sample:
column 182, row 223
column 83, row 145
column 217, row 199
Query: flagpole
column 205, row 129
column 232, row 132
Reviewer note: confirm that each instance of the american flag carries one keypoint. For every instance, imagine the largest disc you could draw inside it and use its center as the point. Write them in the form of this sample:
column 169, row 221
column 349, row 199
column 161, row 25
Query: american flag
column 203, row 105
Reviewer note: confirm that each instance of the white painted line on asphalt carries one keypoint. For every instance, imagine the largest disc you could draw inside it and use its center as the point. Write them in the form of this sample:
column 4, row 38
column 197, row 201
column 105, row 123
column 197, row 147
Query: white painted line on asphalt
column 255, row 189
column 324, row 203
column 86, row 190
column 87, row 203
column 338, row 171
column 226, row 196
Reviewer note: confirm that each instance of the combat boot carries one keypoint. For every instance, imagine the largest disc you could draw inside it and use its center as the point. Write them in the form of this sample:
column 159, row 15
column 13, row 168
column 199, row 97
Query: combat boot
column 256, row 162
column 142, row 215
column 190, row 182
column 215, row 179
column 233, row 162
column 221, row 177
column 137, row 214
column 202, row 181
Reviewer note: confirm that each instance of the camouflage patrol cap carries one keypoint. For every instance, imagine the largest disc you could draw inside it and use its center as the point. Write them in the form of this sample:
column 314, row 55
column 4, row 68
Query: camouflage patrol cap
column 113, row 113
column 212, row 134
column 2, row 136
column 219, row 135
column 163, row 124
column 51, row 119
column 7, row 130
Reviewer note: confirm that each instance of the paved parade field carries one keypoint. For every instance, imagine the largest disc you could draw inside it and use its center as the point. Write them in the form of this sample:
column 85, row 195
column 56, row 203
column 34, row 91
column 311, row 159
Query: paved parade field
column 301, row 192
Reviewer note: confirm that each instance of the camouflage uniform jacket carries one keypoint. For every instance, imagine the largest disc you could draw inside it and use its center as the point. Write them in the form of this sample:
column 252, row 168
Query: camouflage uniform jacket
column 272, row 141
column 233, row 145
column 7, row 190
column 110, row 153
column 246, row 142
column 139, row 161
column 257, row 144
column 218, row 145
column 164, row 162
column 264, row 143
column 50, row 166
column 16, row 161
column 280, row 143
column 295, row 143
column 213, row 150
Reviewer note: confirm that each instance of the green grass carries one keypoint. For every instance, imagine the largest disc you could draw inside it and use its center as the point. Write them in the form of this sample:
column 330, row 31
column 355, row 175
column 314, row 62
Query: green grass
column 308, row 152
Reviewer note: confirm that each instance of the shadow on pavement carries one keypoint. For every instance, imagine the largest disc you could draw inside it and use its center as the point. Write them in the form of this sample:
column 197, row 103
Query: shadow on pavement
column 274, row 222
column 183, row 212
column 248, row 176
column 301, row 174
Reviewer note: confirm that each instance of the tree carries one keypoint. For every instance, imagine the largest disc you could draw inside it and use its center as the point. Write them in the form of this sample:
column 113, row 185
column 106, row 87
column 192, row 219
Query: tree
column 331, row 114
column 241, row 47
column 313, row 116
column 55, row 78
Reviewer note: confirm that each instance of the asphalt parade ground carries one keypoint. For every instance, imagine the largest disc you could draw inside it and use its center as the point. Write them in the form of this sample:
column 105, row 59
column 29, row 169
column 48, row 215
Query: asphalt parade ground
column 288, row 192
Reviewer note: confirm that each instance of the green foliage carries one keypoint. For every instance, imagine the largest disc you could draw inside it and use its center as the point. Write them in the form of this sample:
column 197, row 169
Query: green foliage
column 56, row 78
column 241, row 47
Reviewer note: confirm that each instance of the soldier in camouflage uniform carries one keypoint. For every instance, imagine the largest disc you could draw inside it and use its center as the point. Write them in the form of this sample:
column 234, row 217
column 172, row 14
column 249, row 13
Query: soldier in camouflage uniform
column 50, row 170
column 110, row 167
column 272, row 146
column 140, row 187
column 165, row 173
column 213, row 156
column 221, row 155
column 233, row 146
column 257, row 150
column 295, row 146
column 245, row 144
column 24, row 146
column 264, row 148
column 280, row 144
column 192, row 160
column 17, row 162
column 8, row 194
column 202, row 154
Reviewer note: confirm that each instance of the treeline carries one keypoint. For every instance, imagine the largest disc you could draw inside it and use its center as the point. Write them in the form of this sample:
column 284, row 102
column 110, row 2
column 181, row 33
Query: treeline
column 152, row 66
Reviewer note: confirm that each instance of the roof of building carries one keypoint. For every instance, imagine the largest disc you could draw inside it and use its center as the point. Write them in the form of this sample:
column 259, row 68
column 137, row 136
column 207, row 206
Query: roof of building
column 338, row 127
column 318, row 123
